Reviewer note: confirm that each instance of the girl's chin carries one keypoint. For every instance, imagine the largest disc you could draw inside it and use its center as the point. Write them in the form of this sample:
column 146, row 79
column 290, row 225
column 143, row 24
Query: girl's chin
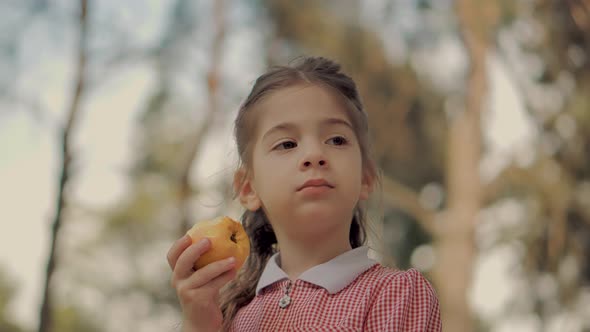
column 315, row 213
column 312, row 214
column 319, row 222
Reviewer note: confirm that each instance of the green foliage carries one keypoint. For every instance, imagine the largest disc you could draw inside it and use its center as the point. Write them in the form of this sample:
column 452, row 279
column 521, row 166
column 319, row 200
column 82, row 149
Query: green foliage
column 70, row 319
column 408, row 236
column 553, row 184
column 7, row 326
column 8, row 291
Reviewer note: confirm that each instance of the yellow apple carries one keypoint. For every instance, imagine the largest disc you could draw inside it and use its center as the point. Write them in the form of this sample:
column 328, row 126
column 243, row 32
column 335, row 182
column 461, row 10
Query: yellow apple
column 228, row 239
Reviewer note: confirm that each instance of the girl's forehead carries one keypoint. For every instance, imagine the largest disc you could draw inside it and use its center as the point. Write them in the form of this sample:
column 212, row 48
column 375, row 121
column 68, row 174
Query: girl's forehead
column 300, row 102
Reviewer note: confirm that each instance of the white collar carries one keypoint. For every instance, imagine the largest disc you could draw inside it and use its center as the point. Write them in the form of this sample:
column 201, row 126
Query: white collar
column 333, row 275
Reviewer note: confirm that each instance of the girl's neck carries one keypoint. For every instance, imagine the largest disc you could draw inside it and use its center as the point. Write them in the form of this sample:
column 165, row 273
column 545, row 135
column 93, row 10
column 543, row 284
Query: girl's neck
column 298, row 257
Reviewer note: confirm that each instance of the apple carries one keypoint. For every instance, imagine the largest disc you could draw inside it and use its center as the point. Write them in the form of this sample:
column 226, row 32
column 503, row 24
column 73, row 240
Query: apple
column 228, row 239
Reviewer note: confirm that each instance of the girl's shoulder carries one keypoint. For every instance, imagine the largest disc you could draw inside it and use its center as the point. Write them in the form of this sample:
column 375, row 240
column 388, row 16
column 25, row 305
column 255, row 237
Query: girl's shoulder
column 400, row 300
column 384, row 277
column 384, row 272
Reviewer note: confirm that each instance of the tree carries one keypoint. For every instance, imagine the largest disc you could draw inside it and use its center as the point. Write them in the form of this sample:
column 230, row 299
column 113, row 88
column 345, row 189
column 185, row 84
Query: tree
column 46, row 323
column 552, row 71
column 8, row 290
column 171, row 133
column 454, row 232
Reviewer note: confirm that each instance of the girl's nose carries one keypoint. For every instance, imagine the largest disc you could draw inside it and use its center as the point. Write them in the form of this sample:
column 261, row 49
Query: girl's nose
column 320, row 162
column 313, row 159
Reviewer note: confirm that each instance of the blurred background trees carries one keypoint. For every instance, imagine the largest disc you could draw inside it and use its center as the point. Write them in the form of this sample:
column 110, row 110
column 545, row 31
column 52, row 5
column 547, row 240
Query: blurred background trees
column 8, row 290
column 499, row 223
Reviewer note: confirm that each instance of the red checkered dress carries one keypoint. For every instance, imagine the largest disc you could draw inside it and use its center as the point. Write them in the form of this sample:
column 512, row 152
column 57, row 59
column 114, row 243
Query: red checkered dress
column 348, row 293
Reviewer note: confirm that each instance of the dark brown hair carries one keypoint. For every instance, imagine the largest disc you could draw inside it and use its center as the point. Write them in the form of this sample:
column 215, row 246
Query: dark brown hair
column 306, row 70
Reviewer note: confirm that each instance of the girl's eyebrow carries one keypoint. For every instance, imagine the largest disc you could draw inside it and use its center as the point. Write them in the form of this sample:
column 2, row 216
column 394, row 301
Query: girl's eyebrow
column 280, row 127
column 287, row 126
column 336, row 121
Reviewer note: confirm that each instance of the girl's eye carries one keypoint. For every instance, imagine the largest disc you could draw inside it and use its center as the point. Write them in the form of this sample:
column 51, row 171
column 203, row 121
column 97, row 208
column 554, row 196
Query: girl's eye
column 337, row 140
column 286, row 145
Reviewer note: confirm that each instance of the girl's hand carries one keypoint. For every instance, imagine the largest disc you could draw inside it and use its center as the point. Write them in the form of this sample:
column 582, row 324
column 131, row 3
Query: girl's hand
column 198, row 291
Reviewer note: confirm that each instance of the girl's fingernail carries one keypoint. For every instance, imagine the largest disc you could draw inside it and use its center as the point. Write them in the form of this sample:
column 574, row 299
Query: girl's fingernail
column 230, row 260
column 203, row 242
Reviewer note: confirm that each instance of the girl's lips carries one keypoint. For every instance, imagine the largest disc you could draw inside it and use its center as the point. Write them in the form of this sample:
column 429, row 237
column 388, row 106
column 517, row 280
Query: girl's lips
column 315, row 183
column 315, row 190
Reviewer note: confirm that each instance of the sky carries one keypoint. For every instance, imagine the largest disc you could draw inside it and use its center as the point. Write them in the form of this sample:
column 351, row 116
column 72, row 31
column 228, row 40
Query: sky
column 103, row 142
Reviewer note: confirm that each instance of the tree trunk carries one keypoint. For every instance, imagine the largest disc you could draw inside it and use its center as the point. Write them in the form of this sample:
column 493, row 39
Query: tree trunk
column 46, row 323
column 454, row 240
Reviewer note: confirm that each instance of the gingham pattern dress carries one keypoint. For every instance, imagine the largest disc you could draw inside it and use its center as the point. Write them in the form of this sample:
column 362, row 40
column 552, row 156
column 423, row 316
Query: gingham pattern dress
column 348, row 293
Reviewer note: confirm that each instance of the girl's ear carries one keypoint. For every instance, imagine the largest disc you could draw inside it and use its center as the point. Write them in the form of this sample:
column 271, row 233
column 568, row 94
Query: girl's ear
column 367, row 183
column 245, row 191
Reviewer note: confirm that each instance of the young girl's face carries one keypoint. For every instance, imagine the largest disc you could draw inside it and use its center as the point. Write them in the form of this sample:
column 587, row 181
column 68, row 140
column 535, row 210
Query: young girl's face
column 306, row 170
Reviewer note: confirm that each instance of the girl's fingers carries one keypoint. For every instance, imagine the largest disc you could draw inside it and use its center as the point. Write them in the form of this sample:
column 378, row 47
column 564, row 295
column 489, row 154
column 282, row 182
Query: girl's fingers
column 187, row 259
column 176, row 249
column 210, row 272
column 223, row 279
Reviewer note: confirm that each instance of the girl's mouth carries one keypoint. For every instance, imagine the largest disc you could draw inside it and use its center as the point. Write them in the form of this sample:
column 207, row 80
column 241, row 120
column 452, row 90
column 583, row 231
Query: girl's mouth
column 317, row 184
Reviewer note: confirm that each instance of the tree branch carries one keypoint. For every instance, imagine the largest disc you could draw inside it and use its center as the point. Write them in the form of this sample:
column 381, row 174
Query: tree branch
column 398, row 195
column 213, row 108
column 45, row 320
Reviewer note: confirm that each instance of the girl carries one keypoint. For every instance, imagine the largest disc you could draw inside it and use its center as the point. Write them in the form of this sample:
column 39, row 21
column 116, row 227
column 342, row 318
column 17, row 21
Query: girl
column 302, row 138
